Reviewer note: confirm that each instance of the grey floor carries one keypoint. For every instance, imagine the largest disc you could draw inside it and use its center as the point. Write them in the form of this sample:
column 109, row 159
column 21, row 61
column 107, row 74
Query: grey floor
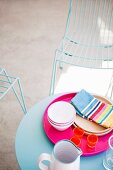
column 30, row 31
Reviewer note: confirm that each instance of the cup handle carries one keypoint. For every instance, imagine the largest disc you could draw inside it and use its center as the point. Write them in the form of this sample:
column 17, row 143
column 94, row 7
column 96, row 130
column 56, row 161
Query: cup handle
column 42, row 157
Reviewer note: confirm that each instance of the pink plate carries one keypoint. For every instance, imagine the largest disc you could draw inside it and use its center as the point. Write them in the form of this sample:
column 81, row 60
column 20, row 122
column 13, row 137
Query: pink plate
column 55, row 135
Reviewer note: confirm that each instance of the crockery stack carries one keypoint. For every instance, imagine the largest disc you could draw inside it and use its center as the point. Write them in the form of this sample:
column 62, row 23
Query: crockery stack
column 61, row 115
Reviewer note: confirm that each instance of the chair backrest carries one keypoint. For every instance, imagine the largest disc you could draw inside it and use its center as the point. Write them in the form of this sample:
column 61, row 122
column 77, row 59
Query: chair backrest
column 90, row 17
column 89, row 30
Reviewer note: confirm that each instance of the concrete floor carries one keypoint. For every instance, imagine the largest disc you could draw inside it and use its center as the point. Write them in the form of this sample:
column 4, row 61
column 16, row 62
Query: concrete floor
column 30, row 31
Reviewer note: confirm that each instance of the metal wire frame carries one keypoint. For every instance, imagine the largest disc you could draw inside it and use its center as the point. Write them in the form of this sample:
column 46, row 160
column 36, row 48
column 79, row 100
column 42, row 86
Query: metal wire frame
column 7, row 83
column 88, row 38
column 58, row 62
column 88, row 16
column 89, row 33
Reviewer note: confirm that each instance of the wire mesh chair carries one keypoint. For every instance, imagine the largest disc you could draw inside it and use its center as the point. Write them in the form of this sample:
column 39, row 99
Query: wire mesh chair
column 88, row 37
column 7, row 83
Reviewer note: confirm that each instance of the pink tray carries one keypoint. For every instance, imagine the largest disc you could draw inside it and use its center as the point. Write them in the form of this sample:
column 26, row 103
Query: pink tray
column 55, row 135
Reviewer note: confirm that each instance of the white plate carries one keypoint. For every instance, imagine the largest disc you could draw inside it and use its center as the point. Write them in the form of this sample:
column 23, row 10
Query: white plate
column 90, row 126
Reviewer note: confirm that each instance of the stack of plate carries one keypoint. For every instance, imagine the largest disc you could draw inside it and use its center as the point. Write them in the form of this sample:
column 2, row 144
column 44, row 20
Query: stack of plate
column 61, row 115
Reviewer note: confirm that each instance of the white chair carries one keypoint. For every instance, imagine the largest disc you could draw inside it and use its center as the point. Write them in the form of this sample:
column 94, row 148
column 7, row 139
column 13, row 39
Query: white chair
column 7, row 83
column 88, row 38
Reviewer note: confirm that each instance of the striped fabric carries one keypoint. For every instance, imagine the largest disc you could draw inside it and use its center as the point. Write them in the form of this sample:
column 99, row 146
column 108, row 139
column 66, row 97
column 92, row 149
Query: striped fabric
column 91, row 108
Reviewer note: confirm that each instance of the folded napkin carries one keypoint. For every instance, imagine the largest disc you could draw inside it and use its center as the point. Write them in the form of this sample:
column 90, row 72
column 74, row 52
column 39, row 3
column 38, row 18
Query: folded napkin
column 89, row 107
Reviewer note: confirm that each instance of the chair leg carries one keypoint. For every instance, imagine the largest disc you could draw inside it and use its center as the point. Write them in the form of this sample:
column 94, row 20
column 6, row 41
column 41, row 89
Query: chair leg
column 24, row 108
column 53, row 78
column 109, row 92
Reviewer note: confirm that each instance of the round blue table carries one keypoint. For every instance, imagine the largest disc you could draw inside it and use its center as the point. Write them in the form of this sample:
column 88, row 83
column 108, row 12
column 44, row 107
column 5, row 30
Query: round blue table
column 31, row 141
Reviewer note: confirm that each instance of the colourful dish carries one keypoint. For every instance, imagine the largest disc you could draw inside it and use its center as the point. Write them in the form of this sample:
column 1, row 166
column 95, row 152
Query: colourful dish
column 55, row 135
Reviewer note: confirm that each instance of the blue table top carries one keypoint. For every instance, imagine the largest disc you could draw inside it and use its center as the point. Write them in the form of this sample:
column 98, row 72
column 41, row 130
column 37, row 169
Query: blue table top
column 31, row 141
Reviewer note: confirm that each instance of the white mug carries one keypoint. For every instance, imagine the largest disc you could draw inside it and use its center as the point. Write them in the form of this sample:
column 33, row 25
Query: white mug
column 65, row 156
